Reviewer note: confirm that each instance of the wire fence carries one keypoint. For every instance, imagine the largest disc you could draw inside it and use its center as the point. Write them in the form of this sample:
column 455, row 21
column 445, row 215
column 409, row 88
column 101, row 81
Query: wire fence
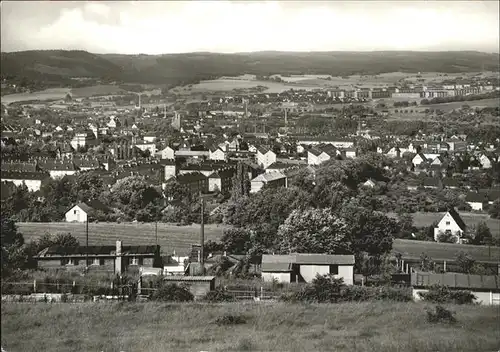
column 36, row 292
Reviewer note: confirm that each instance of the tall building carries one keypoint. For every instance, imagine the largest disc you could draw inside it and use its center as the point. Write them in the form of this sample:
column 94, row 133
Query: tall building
column 176, row 121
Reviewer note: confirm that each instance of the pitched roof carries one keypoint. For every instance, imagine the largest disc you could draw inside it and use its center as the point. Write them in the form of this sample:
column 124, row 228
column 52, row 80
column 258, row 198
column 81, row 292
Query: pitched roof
column 458, row 219
column 269, row 176
column 95, row 250
column 474, row 197
column 492, row 194
column 13, row 175
column 276, row 267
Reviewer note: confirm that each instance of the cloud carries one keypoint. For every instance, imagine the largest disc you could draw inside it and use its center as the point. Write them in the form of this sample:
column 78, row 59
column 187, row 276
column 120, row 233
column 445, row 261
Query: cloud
column 97, row 9
column 224, row 26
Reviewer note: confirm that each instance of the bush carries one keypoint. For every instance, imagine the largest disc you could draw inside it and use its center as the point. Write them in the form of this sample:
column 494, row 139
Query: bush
column 172, row 293
column 441, row 315
column 443, row 294
column 325, row 289
column 382, row 293
column 228, row 319
column 218, row 295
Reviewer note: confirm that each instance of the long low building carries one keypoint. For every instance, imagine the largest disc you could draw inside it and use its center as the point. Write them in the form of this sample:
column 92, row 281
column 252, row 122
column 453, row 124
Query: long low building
column 485, row 288
column 303, row 267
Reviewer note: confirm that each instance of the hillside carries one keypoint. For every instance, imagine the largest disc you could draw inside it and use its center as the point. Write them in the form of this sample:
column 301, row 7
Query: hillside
column 174, row 69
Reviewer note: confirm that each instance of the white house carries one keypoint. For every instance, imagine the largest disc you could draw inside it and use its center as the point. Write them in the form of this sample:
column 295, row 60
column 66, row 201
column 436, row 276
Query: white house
column 169, row 169
column 350, row 153
column 451, row 223
column 167, row 153
column 485, row 162
column 78, row 213
column 216, row 154
column 418, row 159
column 369, row 183
column 83, row 212
column 476, row 200
column 302, row 267
column 265, row 157
column 274, row 179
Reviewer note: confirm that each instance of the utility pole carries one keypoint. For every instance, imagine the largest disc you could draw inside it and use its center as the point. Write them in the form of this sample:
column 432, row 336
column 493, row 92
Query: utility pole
column 156, row 230
column 87, row 244
column 202, row 231
column 202, row 237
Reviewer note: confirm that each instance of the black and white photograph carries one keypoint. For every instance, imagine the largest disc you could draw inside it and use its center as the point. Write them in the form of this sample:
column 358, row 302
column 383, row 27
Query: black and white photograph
column 268, row 176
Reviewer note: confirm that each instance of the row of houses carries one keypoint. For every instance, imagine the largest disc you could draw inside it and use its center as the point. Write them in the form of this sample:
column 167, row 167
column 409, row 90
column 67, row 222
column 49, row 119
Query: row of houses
column 285, row 268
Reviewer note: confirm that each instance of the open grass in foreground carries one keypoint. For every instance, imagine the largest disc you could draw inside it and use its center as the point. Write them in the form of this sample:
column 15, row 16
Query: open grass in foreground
column 377, row 326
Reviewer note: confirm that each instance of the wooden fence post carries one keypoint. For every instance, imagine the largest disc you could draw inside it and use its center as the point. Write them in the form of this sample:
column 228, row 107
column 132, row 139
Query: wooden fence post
column 34, row 286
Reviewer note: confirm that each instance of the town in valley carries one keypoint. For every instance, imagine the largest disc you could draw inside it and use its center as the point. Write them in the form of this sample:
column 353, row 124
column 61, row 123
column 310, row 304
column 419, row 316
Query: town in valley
column 180, row 194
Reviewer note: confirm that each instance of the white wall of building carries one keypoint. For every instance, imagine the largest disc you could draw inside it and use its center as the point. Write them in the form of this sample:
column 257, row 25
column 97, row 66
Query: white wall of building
column 76, row 214
column 447, row 223
column 483, row 298
column 56, row 174
column 476, row 205
column 280, row 277
column 217, row 155
column 33, row 185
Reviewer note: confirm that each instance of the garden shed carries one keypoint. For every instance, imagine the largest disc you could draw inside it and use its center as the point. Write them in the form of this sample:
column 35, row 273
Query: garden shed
column 199, row 286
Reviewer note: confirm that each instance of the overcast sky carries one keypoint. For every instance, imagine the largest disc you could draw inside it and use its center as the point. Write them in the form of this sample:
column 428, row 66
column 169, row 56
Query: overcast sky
column 242, row 26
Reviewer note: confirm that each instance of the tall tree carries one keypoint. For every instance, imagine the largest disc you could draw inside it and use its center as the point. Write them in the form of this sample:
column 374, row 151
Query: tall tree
column 314, row 231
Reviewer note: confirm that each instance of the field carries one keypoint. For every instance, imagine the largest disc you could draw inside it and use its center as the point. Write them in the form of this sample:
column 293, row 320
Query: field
column 101, row 89
column 458, row 104
column 60, row 93
column 47, row 94
column 170, row 237
column 379, row 326
column 180, row 238
column 470, row 219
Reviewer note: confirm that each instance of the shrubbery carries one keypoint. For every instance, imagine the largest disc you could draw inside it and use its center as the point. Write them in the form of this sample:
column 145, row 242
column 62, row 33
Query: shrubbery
column 441, row 315
column 228, row 319
column 326, row 288
column 218, row 295
column 172, row 293
column 443, row 294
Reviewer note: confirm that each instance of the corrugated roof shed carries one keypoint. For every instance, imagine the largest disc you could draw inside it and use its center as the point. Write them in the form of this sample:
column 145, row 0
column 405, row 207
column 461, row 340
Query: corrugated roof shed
column 456, row 280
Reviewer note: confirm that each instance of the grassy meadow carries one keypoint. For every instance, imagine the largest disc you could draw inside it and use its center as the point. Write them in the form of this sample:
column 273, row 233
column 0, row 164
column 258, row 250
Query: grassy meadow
column 482, row 103
column 375, row 326
column 170, row 237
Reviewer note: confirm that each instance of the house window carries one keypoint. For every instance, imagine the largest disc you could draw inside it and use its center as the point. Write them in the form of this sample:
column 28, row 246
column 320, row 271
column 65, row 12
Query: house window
column 101, row 261
column 96, row 261
column 73, row 261
column 447, row 223
column 141, row 261
column 134, row 261
column 75, row 211
column 64, row 261
column 334, row 269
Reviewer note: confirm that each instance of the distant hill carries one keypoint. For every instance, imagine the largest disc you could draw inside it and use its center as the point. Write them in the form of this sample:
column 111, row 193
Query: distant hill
column 174, row 69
